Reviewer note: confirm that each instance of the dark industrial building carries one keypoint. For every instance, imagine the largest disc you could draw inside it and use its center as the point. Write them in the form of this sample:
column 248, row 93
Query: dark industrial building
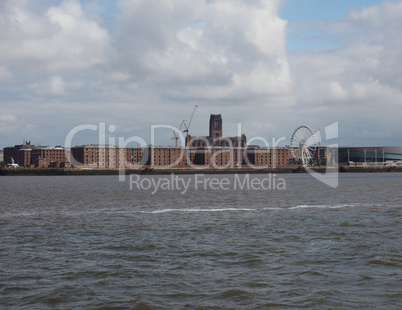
column 370, row 154
column 216, row 137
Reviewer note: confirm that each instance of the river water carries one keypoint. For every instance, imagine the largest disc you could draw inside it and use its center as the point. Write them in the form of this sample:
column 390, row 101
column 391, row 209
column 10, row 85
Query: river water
column 92, row 242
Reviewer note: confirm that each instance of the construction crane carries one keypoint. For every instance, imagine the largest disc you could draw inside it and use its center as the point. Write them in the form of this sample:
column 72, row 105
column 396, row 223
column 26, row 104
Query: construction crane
column 188, row 126
column 176, row 133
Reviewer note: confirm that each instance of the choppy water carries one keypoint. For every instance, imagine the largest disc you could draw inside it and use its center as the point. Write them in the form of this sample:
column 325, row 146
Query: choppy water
column 91, row 242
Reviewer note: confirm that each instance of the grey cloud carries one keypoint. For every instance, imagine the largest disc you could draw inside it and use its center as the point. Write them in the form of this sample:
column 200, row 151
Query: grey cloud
column 358, row 83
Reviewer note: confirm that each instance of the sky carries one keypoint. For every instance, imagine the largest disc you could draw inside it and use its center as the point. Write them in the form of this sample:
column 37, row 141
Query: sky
column 269, row 65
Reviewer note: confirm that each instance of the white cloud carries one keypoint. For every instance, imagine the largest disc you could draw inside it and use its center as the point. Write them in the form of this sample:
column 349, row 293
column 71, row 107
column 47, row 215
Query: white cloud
column 54, row 85
column 62, row 39
column 7, row 118
column 359, row 83
column 205, row 49
column 5, row 74
column 336, row 91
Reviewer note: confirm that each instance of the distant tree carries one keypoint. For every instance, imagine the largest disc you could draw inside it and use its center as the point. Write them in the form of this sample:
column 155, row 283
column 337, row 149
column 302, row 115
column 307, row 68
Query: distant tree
column 324, row 161
column 2, row 164
column 294, row 161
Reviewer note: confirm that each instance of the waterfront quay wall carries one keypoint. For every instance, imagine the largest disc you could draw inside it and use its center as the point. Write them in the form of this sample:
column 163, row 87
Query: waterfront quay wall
column 378, row 168
column 147, row 171
column 156, row 171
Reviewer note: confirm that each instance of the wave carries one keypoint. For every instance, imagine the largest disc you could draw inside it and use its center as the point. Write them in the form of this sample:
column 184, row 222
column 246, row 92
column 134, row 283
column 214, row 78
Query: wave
column 322, row 206
column 130, row 211
column 303, row 206
column 198, row 210
column 243, row 209
column 274, row 208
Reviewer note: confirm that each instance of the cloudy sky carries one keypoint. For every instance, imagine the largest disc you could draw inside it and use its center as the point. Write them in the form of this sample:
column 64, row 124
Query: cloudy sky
column 270, row 65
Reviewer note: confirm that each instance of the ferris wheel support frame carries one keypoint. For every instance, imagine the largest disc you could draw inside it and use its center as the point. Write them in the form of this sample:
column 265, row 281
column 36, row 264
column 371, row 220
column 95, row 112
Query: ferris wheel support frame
column 303, row 144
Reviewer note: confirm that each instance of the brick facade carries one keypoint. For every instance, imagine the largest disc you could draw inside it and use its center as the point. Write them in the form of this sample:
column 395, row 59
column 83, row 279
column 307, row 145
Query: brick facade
column 272, row 157
column 98, row 156
column 213, row 151
column 20, row 153
column 48, row 157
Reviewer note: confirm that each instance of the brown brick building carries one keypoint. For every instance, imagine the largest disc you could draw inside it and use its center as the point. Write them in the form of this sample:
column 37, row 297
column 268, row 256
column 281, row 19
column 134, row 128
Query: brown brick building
column 98, row 156
column 165, row 156
column 271, row 157
column 44, row 157
column 28, row 156
column 21, row 154
column 95, row 156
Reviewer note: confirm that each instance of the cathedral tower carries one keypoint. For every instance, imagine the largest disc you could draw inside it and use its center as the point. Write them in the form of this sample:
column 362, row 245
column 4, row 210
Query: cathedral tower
column 215, row 126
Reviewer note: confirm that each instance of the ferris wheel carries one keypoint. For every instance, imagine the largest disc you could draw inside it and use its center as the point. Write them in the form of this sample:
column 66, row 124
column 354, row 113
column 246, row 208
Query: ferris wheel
column 303, row 144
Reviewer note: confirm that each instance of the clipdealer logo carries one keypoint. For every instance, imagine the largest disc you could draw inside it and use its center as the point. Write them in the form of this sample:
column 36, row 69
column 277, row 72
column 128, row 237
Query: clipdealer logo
column 117, row 159
column 331, row 175
column 204, row 182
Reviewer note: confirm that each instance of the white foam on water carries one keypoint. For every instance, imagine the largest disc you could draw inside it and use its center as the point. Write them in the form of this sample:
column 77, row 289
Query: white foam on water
column 274, row 208
column 322, row 206
column 342, row 206
column 307, row 206
column 198, row 210
column 247, row 209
